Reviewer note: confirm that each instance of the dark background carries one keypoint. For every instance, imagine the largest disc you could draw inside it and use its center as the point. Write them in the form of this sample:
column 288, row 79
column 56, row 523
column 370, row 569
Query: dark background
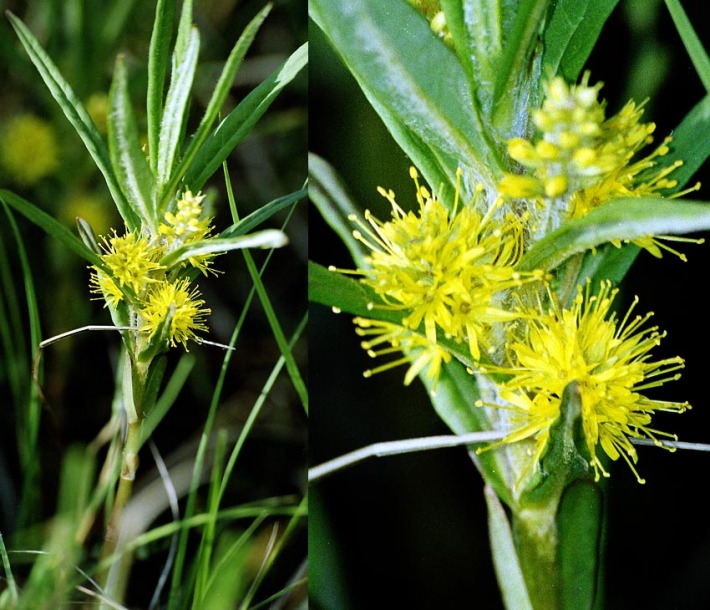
column 410, row 531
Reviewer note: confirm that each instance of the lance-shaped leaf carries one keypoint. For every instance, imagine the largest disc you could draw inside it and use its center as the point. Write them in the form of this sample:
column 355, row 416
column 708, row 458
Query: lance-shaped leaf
column 129, row 162
column 399, row 63
column 579, row 523
column 478, row 29
column 269, row 238
column 176, row 103
column 219, row 95
column 53, row 228
column 76, row 114
column 238, row 123
column 686, row 146
column 623, row 219
column 86, row 234
column 572, row 32
column 158, row 60
column 329, row 195
column 513, row 65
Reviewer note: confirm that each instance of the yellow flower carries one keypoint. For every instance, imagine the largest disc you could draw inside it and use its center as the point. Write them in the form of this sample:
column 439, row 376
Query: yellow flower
column 97, row 107
column 609, row 360
column 642, row 178
column 187, row 309
column 185, row 227
column 447, row 270
column 28, row 149
column 581, row 160
column 133, row 262
column 416, row 350
column 431, row 9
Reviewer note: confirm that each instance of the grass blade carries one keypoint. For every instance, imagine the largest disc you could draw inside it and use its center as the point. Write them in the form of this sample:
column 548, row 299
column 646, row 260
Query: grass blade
column 692, row 43
column 265, row 212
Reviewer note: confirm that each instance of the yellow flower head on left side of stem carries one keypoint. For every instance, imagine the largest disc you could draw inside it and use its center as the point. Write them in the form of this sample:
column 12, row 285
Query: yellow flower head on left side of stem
column 610, row 361
column 133, row 262
column 447, row 270
column 382, row 338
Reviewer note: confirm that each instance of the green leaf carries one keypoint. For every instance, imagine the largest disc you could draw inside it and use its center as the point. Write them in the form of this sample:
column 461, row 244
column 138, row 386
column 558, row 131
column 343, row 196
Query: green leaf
column 519, row 46
column 478, row 29
column 158, row 59
column 86, row 234
column 333, row 202
column 263, row 213
column 692, row 43
column 404, row 68
column 269, row 238
column 220, row 92
column 238, row 123
column 571, row 34
column 333, row 289
column 76, row 114
column 622, row 219
column 438, row 168
column 53, row 228
column 565, row 457
column 127, row 157
column 579, row 524
column 505, row 558
column 182, row 41
column 176, row 103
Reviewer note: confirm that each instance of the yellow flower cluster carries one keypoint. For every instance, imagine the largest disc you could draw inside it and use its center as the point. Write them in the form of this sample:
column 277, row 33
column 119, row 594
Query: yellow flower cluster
column 158, row 298
column 450, row 272
column 28, row 149
column 582, row 160
column 446, row 270
column 609, row 360
column 576, row 146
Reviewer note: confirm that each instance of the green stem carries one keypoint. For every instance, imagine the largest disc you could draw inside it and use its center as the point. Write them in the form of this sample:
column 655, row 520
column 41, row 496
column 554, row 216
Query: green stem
column 134, row 392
